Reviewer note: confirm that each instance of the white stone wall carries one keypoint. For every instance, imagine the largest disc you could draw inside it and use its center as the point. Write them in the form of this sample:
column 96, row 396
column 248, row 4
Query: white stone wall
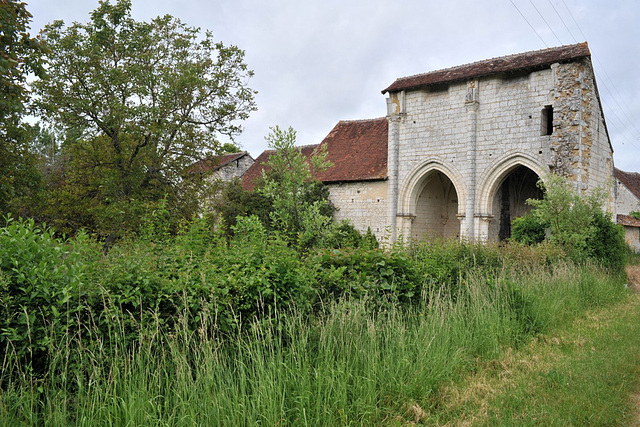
column 632, row 237
column 477, row 131
column 231, row 170
column 364, row 203
column 626, row 201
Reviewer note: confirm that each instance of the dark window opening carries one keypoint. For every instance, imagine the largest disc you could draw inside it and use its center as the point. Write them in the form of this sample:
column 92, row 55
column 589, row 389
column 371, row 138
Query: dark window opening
column 546, row 126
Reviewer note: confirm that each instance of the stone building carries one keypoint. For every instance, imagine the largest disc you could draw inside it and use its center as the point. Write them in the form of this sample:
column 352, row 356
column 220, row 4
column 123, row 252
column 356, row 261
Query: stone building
column 224, row 167
column 461, row 149
column 627, row 201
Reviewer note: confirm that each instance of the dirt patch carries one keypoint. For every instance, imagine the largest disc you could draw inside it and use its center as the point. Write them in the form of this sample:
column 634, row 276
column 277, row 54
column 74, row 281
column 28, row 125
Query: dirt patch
column 633, row 277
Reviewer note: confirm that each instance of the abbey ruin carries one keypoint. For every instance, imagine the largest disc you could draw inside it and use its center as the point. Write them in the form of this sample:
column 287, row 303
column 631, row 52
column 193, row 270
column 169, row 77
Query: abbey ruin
column 461, row 149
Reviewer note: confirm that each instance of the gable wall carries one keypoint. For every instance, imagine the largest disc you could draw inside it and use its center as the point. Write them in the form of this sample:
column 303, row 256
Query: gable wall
column 581, row 149
column 234, row 169
column 626, row 201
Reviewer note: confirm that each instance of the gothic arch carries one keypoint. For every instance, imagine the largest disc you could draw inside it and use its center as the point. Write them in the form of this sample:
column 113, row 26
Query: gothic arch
column 431, row 201
column 503, row 192
column 493, row 177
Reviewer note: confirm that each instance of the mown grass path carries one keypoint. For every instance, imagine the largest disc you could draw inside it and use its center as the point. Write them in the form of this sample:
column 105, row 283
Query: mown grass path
column 584, row 374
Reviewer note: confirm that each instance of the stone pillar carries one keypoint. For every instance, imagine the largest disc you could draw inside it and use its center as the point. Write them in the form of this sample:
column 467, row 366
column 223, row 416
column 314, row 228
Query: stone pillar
column 482, row 230
column 468, row 229
column 394, row 109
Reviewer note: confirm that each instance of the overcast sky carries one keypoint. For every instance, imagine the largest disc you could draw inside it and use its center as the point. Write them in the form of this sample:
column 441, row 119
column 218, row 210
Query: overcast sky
column 318, row 62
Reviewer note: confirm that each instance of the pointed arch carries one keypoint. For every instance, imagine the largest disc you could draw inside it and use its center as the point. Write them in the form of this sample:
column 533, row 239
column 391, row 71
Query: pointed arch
column 493, row 177
column 432, row 200
column 504, row 191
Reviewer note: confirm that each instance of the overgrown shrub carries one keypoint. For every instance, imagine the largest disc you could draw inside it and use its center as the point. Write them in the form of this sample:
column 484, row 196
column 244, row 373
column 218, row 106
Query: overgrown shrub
column 606, row 243
column 362, row 272
column 43, row 289
column 443, row 264
column 577, row 223
column 528, row 229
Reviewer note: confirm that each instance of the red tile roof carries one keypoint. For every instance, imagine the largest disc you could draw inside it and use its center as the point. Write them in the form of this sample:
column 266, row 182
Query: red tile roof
column 631, row 180
column 356, row 148
column 254, row 173
column 627, row 220
column 213, row 163
column 529, row 60
column 358, row 151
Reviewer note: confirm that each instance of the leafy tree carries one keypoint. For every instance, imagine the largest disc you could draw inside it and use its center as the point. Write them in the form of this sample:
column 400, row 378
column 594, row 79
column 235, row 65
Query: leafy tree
column 139, row 102
column 234, row 202
column 289, row 185
column 20, row 54
column 568, row 215
column 576, row 223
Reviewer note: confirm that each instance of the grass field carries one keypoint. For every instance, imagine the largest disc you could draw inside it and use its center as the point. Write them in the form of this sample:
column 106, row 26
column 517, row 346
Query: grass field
column 531, row 350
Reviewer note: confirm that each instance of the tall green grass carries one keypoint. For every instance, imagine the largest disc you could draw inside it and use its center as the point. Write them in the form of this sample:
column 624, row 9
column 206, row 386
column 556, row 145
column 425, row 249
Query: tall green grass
column 348, row 365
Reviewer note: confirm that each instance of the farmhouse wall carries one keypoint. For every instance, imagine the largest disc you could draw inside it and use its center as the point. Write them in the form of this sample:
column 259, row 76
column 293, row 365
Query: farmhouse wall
column 362, row 203
column 626, row 201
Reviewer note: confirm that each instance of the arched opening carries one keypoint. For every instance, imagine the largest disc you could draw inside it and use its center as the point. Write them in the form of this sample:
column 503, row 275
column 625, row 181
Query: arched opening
column 436, row 209
column 510, row 200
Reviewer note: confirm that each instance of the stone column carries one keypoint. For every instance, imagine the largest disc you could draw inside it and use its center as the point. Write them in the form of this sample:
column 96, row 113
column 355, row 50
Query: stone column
column 393, row 115
column 471, row 103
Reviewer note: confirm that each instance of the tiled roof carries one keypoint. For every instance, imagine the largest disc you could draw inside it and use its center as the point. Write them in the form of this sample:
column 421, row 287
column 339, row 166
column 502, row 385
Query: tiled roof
column 213, row 163
column 529, row 60
column 253, row 174
column 358, row 151
column 627, row 220
column 356, row 148
column 631, row 180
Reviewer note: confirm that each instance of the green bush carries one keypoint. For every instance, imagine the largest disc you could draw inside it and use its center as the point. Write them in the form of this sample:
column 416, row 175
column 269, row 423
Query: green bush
column 444, row 264
column 528, row 229
column 362, row 272
column 577, row 223
column 606, row 243
column 43, row 289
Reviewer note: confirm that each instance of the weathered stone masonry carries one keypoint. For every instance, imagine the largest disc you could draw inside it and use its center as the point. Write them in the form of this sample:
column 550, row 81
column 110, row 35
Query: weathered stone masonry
column 471, row 141
column 461, row 149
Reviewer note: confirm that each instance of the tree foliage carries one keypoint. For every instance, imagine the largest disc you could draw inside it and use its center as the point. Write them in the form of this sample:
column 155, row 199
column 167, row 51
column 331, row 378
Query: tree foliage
column 575, row 222
column 299, row 210
column 20, row 54
column 138, row 102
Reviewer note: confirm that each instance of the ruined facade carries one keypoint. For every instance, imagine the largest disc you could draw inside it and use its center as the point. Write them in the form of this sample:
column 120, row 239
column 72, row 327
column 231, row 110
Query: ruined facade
column 468, row 144
column 461, row 149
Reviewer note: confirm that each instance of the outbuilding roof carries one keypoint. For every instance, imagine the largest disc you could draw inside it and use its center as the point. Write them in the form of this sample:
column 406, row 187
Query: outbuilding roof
column 537, row 59
column 357, row 150
column 627, row 220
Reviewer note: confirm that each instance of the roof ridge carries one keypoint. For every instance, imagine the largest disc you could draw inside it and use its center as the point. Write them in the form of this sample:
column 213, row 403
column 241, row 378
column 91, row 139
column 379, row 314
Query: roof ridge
column 362, row 120
column 481, row 61
column 493, row 65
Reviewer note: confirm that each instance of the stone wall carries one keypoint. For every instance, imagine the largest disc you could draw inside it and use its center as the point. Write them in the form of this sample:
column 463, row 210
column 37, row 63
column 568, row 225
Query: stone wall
column 233, row 169
column 580, row 146
column 632, row 237
column 363, row 203
column 476, row 132
column 626, row 201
